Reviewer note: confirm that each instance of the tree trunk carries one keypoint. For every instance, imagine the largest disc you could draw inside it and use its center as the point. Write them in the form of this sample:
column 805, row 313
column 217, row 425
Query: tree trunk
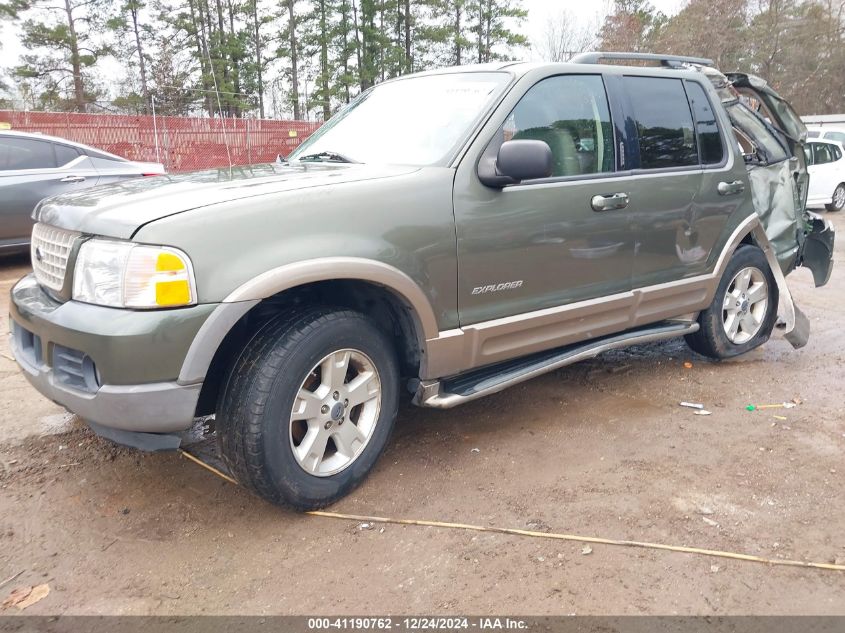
column 361, row 79
column 235, row 99
column 480, row 30
column 259, row 69
column 294, row 61
column 457, row 33
column 397, row 43
column 324, row 63
column 409, row 60
column 489, row 16
column 381, row 60
column 142, row 64
column 219, row 48
column 344, row 27
column 200, row 23
column 75, row 61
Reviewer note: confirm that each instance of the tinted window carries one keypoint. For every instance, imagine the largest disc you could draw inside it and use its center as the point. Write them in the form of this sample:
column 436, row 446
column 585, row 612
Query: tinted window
column 837, row 153
column 664, row 122
column 709, row 141
column 65, row 154
column 835, row 136
column 813, row 134
column 25, row 153
column 570, row 113
column 823, row 153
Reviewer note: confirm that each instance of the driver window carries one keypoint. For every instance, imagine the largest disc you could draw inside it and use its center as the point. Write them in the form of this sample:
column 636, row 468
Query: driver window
column 571, row 115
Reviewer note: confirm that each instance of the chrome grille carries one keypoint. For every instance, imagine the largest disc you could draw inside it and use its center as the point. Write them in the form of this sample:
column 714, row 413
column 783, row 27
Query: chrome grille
column 50, row 250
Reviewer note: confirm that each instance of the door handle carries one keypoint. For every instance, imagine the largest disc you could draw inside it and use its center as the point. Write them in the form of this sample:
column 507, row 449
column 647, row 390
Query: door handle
column 730, row 188
column 73, row 179
column 610, row 201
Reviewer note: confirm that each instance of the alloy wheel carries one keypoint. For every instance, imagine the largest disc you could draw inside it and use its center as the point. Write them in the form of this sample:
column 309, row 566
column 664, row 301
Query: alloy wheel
column 745, row 304
column 839, row 197
column 335, row 412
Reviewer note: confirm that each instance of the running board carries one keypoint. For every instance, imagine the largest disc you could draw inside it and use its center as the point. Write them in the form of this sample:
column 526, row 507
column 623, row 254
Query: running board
column 450, row 392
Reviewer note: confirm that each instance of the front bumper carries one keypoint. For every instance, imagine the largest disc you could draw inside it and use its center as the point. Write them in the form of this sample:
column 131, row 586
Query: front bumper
column 115, row 368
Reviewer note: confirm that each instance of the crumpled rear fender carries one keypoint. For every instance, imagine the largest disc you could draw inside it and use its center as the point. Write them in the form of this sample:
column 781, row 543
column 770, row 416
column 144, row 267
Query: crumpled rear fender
column 795, row 325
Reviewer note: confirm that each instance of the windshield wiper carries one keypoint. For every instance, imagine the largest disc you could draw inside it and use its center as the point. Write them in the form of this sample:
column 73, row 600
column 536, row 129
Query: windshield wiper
column 327, row 156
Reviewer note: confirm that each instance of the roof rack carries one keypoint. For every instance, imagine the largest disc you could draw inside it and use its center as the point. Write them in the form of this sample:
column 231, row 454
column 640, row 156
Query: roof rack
column 668, row 61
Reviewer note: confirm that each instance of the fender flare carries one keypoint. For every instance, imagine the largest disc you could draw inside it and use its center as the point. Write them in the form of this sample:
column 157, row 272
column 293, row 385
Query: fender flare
column 248, row 295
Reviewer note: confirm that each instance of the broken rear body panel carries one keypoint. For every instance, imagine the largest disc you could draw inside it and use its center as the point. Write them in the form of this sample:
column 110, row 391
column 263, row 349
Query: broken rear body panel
column 779, row 186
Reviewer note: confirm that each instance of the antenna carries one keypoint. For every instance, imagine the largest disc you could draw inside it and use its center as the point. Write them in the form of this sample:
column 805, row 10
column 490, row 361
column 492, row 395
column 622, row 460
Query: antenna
column 220, row 110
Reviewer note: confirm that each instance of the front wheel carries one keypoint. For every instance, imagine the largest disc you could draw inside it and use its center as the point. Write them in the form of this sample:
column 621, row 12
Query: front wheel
column 837, row 201
column 743, row 312
column 309, row 406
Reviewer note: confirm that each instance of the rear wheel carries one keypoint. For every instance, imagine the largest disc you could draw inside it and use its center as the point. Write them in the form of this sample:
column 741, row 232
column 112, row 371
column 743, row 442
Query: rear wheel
column 743, row 311
column 309, row 406
column 837, row 202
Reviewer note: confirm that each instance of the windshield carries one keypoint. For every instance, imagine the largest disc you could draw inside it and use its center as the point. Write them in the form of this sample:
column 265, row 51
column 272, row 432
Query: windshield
column 416, row 121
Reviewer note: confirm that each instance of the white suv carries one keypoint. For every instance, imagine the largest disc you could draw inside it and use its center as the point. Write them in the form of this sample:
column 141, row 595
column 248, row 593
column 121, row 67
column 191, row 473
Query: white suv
column 826, row 166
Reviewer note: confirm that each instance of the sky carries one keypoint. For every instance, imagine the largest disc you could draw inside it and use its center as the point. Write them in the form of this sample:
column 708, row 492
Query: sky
column 587, row 13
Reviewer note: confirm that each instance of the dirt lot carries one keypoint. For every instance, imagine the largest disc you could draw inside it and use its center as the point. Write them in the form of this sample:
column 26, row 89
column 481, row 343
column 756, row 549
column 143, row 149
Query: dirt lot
column 601, row 448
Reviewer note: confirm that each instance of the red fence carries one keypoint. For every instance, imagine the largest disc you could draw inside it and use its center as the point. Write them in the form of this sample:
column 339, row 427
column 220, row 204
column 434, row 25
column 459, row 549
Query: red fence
column 181, row 143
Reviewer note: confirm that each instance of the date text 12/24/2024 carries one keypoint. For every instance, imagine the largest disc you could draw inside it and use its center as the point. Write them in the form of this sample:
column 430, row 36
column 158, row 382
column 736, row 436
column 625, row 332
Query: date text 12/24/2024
column 416, row 623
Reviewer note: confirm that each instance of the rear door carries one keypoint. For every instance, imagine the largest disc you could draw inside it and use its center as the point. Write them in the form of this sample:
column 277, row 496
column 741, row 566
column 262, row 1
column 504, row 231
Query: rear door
column 684, row 187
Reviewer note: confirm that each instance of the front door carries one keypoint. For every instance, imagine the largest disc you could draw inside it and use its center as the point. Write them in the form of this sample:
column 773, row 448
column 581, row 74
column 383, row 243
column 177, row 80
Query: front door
column 543, row 244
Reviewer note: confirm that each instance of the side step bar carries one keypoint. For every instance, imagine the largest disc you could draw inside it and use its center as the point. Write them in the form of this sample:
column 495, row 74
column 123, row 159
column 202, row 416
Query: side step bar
column 450, row 392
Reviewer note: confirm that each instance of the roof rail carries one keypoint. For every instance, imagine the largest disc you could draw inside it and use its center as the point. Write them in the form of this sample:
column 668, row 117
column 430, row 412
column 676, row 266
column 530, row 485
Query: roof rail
column 668, row 61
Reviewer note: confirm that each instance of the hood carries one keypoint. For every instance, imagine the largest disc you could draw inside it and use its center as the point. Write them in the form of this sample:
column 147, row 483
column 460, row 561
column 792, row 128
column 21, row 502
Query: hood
column 120, row 209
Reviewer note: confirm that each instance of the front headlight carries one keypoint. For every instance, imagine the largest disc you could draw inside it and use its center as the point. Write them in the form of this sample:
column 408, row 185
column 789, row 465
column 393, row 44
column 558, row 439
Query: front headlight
column 127, row 275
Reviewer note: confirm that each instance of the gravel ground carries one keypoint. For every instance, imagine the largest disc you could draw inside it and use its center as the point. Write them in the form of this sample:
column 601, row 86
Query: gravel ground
column 600, row 448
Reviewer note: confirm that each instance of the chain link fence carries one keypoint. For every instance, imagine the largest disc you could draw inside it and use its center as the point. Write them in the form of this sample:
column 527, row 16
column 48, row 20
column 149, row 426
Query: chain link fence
column 180, row 143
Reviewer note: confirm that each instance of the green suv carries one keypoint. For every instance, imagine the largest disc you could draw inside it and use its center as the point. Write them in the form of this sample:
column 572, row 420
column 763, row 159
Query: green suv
column 449, row 233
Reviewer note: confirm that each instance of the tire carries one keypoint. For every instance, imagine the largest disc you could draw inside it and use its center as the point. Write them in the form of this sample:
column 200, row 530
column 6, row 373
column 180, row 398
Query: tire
column 837, row 200
column 722, row 335
column 264, row 441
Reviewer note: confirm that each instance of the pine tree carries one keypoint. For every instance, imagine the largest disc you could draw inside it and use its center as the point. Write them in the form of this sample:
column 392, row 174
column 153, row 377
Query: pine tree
column 64, row 47
column 128, row 27
column 492, row 30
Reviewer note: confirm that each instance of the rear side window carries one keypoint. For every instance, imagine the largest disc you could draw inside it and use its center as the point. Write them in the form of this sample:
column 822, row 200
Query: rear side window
column 570, row 113
column 25, row 153
column 835, row 136
column 709, row 141
column 664, row 122
column 103, row 156
column 65, row 154
column 823, row 153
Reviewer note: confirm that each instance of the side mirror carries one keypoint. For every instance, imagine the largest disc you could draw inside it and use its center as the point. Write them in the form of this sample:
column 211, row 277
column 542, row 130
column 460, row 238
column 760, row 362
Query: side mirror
column 516, row 161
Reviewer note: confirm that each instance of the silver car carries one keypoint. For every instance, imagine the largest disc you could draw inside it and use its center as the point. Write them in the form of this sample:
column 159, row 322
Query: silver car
column 33, row 167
